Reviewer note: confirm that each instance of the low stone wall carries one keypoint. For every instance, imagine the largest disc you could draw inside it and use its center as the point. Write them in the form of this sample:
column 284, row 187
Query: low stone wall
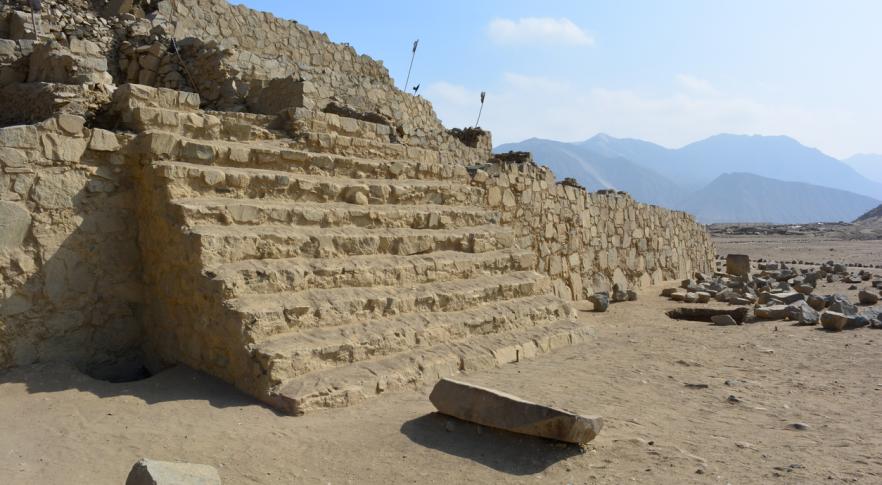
column 589, row 241
column 69, row 262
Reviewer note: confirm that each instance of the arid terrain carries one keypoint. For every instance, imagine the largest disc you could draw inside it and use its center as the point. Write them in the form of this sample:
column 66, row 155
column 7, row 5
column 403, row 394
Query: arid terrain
column 60, row 426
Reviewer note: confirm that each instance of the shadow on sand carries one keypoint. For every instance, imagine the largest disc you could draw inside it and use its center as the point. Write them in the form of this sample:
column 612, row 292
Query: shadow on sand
column 174, row 384
column 500, row 450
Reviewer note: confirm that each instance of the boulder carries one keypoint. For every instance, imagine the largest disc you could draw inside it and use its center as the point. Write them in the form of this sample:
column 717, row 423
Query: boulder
column 816, row 302
column 833, row 321
column 152, row 472
column 842, row 305
column 691, row 297
column 738, row 264
column 867, row 297
column 600, row 301
column 702, row 314
column 802, row 313
column 775, row 312
column 490, row 407
column 723, row 320
column 703, row 297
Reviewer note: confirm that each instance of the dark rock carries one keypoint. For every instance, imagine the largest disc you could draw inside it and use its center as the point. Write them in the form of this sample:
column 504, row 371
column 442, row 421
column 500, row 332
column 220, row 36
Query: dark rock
column 705, row 314
column 600, row 301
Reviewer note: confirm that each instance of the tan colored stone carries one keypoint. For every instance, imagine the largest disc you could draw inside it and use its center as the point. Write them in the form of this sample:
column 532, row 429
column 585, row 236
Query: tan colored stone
column 496, row 409
column 103, row 141
column 15, row 220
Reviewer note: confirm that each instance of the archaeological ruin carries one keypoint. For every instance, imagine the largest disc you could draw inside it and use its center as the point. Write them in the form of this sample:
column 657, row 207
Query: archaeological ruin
column 186, row 181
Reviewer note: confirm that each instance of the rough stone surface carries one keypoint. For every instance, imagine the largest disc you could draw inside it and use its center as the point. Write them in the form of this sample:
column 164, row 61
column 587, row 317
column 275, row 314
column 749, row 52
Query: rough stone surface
column 723, row 320
column 600, row 301
column 496, row 409
column 738, row 264
column 834, row 321
column 152, row 472
column 867, row 297
column 14, row 223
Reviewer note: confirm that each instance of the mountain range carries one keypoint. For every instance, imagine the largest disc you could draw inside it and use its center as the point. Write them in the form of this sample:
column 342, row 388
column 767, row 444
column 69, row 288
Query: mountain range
column 724, row 178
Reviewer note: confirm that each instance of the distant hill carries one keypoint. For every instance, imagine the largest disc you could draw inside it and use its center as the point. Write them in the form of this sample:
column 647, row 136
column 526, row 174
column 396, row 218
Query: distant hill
column 697, row 164
column 867, row 164
column 743, row 197
column 873, row 216
column 597, row 171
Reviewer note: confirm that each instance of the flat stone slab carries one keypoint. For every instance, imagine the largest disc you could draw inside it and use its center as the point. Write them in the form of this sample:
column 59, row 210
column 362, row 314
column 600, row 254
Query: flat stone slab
column 504, row 411
column 152, row 472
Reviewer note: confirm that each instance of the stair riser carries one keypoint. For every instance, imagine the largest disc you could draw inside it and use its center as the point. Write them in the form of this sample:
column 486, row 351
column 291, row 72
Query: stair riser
column 193, row 182
column 217, row 250
column 426, row 370
column 297, row 278
column 403, row 339
column 312, row 314
column 249, row 214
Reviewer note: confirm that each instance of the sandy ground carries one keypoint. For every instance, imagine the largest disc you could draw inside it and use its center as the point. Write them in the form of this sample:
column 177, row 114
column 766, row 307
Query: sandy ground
column 817, row 249
column 61, row 427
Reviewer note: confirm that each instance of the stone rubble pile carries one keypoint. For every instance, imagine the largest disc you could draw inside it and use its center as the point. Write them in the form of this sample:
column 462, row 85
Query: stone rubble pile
column 779, row 292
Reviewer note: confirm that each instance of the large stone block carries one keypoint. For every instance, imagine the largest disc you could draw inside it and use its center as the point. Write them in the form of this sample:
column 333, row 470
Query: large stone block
column 152, row 472
column 738, row 264
column 504, row 411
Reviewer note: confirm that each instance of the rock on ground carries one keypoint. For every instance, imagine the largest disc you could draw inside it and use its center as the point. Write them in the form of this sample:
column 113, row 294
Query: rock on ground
column 152, row 472
column 499, row 410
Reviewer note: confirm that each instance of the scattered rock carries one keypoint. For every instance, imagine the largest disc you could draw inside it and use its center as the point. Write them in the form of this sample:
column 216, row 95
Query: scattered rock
column 600, row 301
column 834, row 321
column 725, row 319
column 798, row 426
column 492, row 408
column 705, row 314
column 866, row 297
column 802, row 313
column 776, row 312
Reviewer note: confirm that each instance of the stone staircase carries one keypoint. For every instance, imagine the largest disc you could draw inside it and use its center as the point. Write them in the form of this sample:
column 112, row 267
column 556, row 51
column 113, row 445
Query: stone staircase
column 313, row 275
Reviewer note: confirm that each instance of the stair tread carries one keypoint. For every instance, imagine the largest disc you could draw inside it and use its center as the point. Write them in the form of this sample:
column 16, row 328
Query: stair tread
column 198, row 202
column 280, row 301
column 301, row 152
column 317, row 179
column 368, row 261
column 340, row 386
column 286, row 230
column 289, row 343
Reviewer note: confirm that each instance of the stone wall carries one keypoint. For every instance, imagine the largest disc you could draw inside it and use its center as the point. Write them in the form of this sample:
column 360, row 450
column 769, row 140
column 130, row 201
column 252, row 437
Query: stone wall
column 589, row 241
column 242, row 50
column 69, row 263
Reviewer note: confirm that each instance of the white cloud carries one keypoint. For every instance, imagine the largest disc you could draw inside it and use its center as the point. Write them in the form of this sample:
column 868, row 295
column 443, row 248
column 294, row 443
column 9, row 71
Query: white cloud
column 524, row 106
column 696, row 85
column 538, row 30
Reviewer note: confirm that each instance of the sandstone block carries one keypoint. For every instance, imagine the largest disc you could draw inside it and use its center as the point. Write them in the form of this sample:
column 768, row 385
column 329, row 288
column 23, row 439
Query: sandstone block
column 103, row 141
column 738, row 264
column 14, row 223
column 775, row 312
column 152, row 472
column 496, row 409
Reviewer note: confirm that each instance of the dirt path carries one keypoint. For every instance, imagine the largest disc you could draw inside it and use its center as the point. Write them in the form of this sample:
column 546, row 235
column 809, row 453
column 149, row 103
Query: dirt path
column 59, row 426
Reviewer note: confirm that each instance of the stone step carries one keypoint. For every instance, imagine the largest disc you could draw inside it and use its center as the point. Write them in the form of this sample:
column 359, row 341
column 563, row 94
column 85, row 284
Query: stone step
column 288, row 156
column 295, row 274
column 222, row 244
column 356, row 146
column 186, row 180
column 271, row 314
column 331, row 214
column 289, row 355
column 344, row 386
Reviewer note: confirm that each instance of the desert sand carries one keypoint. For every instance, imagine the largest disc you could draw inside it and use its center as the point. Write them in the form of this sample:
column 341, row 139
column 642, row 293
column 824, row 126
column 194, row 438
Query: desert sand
column 644, row 373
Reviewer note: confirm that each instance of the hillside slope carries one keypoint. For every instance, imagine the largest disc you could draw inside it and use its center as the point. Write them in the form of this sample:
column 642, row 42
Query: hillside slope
column 742, row 197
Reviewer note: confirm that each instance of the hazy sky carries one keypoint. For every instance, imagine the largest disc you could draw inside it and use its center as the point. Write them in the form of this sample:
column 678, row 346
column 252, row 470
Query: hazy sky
column 668, row 72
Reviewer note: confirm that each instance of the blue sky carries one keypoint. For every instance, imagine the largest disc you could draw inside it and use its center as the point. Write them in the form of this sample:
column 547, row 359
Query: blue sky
column 667, row 72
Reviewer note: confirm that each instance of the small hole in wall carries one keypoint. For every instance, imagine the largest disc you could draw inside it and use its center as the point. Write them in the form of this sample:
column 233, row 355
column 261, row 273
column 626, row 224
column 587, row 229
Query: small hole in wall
column 129, row 369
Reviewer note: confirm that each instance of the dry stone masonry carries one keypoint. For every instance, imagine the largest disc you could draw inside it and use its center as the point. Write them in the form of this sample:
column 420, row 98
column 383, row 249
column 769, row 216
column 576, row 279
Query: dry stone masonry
column 190, row 182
